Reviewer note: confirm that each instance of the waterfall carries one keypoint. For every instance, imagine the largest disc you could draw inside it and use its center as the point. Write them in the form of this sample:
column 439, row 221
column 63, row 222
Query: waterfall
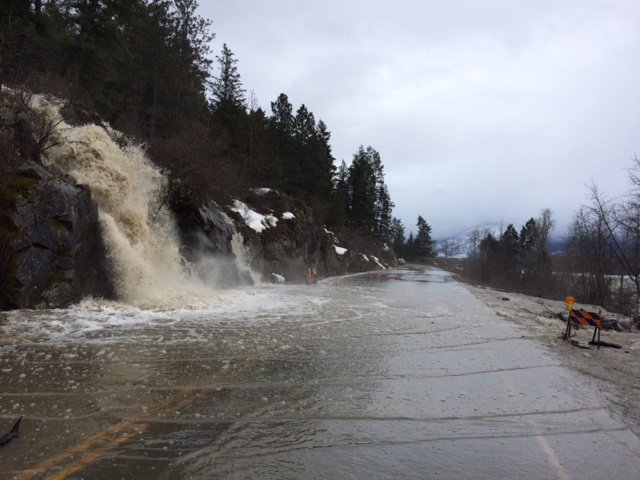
column 139, row 230
column 237, row 248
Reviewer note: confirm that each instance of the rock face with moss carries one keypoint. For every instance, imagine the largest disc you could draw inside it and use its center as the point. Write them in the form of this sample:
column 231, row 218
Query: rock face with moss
column 51, row 247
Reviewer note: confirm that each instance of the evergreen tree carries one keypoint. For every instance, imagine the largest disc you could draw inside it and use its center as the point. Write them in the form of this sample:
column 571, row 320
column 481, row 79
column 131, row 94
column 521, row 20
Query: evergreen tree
column 423, row 244
column 397, row 235
column 258, row 142
column 409, row 245
column 362, row 189
column 488, row 255
column 325, row 161
column 143, row 65
column 383, row 208
column 304, row 126
column 229, row 105
column 536, row 265
column 510, row 253
column 280, row 129
column 227, row 91
column 188, row 42
column 282, row 116
column 529, row 236
column 299, row 160
column 368, row 202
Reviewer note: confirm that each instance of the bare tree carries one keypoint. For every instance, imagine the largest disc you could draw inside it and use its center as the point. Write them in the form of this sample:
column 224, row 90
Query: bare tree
column 591, row 254
column 622, row 222
column 474, row 238
column 545, row 226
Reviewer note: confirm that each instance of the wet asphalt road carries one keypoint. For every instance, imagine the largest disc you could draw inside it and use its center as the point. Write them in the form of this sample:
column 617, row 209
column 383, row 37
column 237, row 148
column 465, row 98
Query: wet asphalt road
column 356, row 377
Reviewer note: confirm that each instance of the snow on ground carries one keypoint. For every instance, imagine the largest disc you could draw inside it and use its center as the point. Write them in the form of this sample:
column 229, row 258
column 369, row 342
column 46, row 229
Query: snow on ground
column 618, row 370
column 261, row 191
column 340, row 250
column 278, row 278
column 375, row 259
column 288, row 216
column 254, row 220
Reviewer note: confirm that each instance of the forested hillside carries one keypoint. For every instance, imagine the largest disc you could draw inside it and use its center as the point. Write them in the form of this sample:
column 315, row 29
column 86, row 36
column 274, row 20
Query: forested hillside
column 145, row 67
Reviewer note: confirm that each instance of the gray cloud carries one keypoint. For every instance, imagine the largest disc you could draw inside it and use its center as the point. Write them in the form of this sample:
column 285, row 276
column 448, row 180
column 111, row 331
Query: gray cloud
column 481, row 111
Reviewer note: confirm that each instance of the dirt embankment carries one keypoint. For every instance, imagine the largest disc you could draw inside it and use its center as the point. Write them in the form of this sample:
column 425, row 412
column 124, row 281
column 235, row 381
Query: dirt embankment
column 617, row 370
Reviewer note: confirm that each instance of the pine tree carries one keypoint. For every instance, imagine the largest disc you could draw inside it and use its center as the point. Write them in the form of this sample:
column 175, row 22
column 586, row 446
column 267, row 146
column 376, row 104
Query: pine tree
column 362, row 189
column 227, row 90
column 383, row 208
column 488, row 257
column 510, row 253
column 229, row 104
column 409, row 245
column 282, row 116
column 397, row 235
column 325, row 160
column 529, row 236
column 535, row 263
column 423, row 244
column 304, row 126
column 369, row 204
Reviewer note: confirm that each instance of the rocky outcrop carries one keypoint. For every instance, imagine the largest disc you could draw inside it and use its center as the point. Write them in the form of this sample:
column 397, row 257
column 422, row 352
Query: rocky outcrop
column 207, row 238
column 52, row 251
column 203, row 226
column 50, row 242
column 277, row 235
column 291, row 241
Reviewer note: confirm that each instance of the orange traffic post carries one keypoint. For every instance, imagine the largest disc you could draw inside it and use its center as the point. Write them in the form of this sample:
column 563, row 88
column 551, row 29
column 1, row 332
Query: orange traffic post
column 570, row 301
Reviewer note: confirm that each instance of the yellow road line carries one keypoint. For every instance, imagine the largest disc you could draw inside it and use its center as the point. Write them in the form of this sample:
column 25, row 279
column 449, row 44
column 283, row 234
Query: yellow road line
column 91, row 457
column 102, row 441
column 83, row 446
column 98, row 445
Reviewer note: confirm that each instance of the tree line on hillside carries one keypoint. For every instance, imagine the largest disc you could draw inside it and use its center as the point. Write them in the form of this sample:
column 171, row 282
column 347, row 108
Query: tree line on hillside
column 513, row 260
column 601, row 263
column 145, row 66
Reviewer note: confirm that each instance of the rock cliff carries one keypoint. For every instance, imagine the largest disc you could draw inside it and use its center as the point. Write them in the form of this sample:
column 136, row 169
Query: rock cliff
column 54, row 251
column 52, row 246
column 278, row 236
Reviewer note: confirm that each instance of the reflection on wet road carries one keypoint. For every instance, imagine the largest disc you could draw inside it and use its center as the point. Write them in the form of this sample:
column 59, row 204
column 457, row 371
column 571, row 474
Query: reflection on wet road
column 396, row 376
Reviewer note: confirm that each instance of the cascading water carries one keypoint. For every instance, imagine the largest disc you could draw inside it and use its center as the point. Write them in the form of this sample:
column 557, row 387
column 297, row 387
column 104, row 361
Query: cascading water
column 237, row 247
column 139, row 231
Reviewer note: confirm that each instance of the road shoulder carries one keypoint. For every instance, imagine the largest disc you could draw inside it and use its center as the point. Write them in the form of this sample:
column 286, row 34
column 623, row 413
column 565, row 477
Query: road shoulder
column 617, row 370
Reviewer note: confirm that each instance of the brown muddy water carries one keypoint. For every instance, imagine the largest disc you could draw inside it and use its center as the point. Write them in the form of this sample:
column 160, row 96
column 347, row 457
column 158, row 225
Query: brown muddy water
column 406, row 375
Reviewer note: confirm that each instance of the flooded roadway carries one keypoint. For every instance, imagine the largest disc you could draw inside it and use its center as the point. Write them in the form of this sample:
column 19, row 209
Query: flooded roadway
column 355, row 377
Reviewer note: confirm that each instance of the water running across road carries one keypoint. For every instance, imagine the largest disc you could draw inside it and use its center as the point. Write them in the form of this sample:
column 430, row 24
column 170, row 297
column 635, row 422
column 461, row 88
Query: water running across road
column 356, row 377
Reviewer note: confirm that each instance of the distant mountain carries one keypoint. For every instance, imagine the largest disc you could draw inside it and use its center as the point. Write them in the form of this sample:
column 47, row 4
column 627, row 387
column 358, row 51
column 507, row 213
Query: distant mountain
column 460, row 245
column 558, row 246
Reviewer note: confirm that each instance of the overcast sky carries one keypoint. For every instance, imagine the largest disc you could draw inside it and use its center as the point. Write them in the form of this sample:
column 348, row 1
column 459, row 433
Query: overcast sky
column 482, row 111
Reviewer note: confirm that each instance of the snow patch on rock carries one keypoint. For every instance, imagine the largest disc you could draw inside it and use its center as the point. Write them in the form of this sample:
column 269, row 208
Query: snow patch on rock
column 340, row 250
column 254, row 220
